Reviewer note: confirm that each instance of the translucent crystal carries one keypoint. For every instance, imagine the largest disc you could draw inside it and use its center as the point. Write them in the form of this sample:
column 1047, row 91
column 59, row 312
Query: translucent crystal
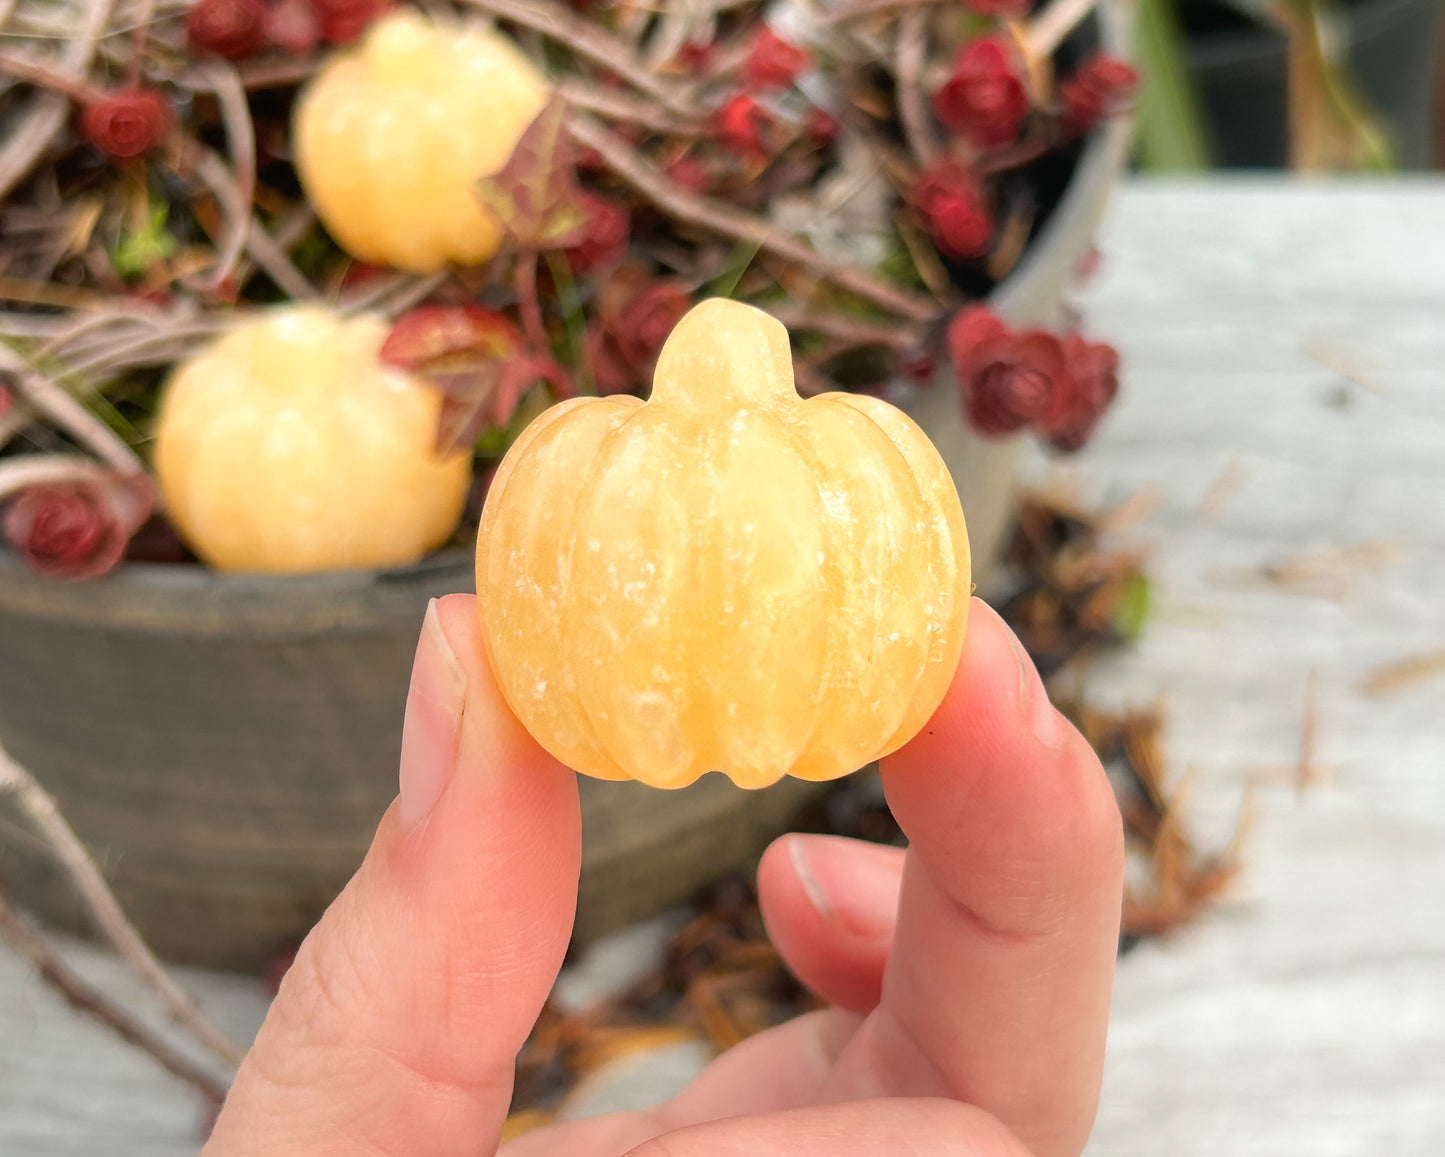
column 287, row 446
column 391, row 138
column 725, row 577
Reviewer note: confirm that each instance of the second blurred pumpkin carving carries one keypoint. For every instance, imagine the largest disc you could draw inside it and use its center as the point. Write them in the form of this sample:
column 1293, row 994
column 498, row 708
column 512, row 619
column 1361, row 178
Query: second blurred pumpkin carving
column 725, row 577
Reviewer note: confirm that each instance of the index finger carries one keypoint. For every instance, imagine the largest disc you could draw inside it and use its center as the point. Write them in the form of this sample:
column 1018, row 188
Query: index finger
column 997, row 988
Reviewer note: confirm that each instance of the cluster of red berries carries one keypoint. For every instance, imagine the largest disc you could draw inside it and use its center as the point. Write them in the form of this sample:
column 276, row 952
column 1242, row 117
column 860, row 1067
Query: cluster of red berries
column 1012, row 380
column 237, row 29
column 985, row 101
column 745, row 127
column 635, row 313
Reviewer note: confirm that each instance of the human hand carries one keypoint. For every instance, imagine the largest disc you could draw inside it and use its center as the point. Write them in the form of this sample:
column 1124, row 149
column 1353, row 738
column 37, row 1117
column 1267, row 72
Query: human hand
column 969, row 977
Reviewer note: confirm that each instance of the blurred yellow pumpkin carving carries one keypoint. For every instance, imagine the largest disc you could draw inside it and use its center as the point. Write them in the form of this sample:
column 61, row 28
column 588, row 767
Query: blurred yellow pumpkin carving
column 725, row 577
column 391, row 137
column 286, row 446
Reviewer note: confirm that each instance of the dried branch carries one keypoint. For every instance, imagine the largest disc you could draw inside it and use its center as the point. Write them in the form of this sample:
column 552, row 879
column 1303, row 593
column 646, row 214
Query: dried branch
column 867, row 9
column 103, row 907
column 271, row 256
column 47, row 113
column 909, row 55
column 1049, row 28
column 42, row 74
column 26, row 470
column 590, row 41
column 50, row 399
column 693, row 209
column 622, row 106
column 31, row 945
column 843, row 328
column 240, row 192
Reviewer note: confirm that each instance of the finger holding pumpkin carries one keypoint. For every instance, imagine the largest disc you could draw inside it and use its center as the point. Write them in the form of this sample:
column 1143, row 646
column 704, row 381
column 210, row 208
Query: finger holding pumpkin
column 725, row 577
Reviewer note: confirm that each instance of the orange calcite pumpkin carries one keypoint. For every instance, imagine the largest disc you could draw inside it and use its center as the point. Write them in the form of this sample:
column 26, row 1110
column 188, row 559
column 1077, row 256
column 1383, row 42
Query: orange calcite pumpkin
column 725, row 577
column 286, row 446
column 391, row 138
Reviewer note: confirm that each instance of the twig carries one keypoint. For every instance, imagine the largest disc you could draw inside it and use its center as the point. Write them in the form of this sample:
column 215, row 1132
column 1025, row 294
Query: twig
column 271, row 256
column 276, row 73
column 865, row 9
column 50, row 399
column 48, row 111
column 223, row 80
column 100, row 901
column 140, row 36
column 527, row 303
column 30, row 944
column 44, row 75
column 909, row 55
column 623, row 106
column 1048, row 29
column 697, row 210
column 1404, row 672
column 590, row 41
column 26, row 470
column 848, row 329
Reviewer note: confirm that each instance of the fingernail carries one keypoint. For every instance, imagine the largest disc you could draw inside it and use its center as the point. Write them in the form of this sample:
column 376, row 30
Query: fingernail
column 799, row 855
column 865, row 886
column 1034, row 703
column 432, row 728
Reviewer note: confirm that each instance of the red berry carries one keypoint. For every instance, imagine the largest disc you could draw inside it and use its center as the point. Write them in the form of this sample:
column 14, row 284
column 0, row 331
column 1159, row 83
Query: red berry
column 951, row 203
column 690, row 173
column 1094, row 371
column 984, row 99
column 234, row 29
column 127, row 123
column 822, row 127
column 1099, row 88
column 605, row 239
column 739, row 125
column 772, row 62
column 293, row 26
column 1008, row 380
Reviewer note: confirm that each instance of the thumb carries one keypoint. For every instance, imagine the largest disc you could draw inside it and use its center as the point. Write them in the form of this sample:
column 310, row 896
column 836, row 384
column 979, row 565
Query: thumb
column 397, row 1026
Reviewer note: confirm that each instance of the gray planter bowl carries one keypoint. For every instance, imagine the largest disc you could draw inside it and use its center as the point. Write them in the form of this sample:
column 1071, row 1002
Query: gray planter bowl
column 225, row 745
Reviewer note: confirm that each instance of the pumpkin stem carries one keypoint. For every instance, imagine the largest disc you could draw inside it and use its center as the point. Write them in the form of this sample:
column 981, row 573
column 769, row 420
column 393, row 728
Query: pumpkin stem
column 725, row 356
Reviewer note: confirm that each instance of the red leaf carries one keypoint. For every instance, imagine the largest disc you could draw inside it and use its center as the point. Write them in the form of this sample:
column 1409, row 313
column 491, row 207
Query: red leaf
column 535, row 195
column 478, row 360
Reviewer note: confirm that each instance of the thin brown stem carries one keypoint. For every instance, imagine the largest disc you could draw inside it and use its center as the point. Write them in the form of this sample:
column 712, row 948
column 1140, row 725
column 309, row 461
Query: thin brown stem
column 51, row 400
column 867, row 9
column 1048, row 29
column 33, row 130
column 591, row 41
column 527, row 302
column 718, row 217
column 240, row 191
column 30, row 944
column 901, row 336
column 44, row 75
column 623, row 106
column 910, row 54
column 23, row 471
column 105, row 910
column 140, row 37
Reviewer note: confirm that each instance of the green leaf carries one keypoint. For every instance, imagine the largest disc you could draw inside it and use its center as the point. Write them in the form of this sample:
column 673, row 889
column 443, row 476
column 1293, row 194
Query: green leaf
column 1170, row 129
column 1132, row 609
column 139, row 251
column 726, row 283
